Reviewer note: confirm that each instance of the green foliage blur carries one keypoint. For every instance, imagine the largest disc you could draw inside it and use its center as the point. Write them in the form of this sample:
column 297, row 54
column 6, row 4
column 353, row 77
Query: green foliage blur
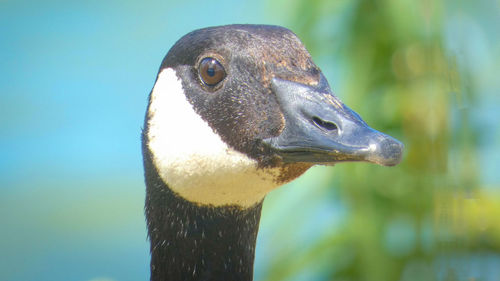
column 428, row 218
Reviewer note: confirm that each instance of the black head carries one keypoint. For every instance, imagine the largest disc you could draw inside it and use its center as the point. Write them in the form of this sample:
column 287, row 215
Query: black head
column 272, row 102
column 259, row 92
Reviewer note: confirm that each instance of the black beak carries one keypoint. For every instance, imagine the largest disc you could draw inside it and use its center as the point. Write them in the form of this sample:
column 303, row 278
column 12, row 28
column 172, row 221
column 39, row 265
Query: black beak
column 319, row 128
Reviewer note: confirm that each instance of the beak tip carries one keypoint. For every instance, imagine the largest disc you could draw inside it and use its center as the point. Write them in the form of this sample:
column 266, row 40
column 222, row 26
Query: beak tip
column 387, row 152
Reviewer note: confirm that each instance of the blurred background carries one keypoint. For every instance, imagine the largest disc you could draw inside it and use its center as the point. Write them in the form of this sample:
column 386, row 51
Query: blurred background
column 74, row 80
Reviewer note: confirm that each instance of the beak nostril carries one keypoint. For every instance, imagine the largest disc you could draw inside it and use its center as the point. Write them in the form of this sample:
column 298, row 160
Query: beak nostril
column 324, row 124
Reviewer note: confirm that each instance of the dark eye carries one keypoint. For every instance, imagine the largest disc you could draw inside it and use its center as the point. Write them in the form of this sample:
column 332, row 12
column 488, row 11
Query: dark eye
column 211, row 71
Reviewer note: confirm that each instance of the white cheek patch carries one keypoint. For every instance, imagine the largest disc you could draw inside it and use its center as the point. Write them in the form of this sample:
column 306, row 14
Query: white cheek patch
column 192, row 159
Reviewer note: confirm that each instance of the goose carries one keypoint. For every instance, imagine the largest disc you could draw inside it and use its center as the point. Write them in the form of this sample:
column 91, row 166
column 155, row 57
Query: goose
column 235, row 112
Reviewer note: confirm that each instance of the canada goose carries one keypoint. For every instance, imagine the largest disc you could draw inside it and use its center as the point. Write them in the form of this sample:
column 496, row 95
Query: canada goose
column 235, row 112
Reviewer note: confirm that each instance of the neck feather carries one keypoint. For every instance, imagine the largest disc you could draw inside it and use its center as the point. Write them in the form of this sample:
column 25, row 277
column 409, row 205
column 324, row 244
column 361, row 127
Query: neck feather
column 197, row 242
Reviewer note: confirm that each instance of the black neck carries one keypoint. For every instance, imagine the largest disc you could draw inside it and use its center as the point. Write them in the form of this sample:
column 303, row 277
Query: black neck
column 192, row 242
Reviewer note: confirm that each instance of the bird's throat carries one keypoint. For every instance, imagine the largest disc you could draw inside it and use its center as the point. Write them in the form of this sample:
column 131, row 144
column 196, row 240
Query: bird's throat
column 190, row 242
column 197, row 242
